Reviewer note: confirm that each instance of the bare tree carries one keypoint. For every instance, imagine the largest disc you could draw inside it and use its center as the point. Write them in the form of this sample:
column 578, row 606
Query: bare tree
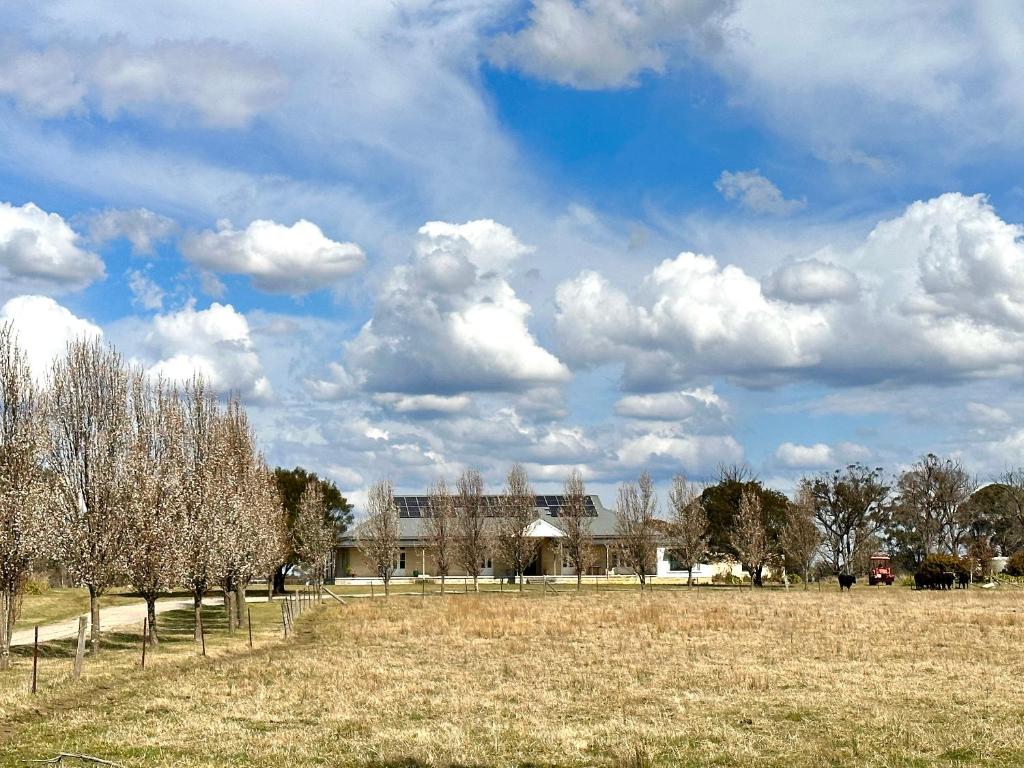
column 441, row 528
column 89, row 449
column 377, row 536
column 801, row 538
column 578, row 542
column 472, row 531
column 749, row 537
column 851, row 508
column 201, row 455
column 635, row 526
column 517, row 510
column 21, row 486
column 312, row 537
column 151, row 550
column 688, row 533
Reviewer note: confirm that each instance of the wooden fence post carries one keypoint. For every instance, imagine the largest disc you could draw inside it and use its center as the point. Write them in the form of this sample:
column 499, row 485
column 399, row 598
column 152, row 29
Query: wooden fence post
column 145, row 637
column 76, row 672
column 249, row 616
column 284, row 621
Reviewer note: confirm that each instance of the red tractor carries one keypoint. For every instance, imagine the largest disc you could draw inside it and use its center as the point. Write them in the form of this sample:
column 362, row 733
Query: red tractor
column 881, row 571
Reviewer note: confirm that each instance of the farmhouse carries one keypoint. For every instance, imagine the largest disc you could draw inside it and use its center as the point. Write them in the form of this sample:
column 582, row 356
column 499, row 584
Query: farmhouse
column 415, row 557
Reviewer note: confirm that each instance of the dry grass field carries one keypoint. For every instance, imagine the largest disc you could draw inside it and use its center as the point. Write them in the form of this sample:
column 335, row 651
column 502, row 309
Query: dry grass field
column 879, row 677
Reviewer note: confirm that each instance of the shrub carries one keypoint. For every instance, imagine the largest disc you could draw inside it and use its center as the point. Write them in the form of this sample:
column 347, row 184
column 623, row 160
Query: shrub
column 1015, row 565
column 37, row 584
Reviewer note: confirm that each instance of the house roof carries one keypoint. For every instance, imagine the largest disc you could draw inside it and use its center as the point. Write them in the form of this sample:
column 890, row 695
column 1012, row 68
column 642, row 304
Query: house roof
column 412, row 525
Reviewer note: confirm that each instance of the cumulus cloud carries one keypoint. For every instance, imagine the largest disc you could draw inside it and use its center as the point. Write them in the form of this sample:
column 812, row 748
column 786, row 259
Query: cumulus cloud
column 950, row 306
column 215, row 342
column 756, row 193
column 691, row 316
column 969, row 262
column 812, row 281
column 280, row 259
column 449, row 322
column 819, row 455
column 424, row 404
column 44, row 328
column 140, row 227
column 40, row 250
column 594, row 44
column 224, row 85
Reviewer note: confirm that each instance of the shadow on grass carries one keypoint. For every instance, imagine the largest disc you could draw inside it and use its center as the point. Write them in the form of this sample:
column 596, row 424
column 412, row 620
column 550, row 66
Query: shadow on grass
column 173, row 628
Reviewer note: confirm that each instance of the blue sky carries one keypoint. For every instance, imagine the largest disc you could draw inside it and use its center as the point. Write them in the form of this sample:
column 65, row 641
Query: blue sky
column 606, row 234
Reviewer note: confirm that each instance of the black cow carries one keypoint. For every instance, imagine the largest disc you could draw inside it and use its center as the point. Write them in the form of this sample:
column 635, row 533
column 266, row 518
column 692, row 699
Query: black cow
column 963, row 580
column 846, row 580
column 948, row 579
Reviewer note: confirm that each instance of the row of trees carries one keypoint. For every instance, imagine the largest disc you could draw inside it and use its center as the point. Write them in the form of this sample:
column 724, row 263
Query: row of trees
column 118, row 477
column 837, row 519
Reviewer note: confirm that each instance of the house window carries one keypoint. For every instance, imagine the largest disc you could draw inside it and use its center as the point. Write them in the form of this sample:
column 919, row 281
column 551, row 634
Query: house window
column 488, row 564
column 565, row 561
column 675, row 564
column 400, row 560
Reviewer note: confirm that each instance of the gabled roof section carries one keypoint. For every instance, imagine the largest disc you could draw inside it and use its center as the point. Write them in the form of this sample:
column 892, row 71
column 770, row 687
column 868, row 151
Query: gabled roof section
column 542, row 529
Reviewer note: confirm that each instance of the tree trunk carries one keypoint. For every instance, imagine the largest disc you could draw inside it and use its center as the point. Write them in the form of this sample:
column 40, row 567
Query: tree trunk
column 689, row 576
column 229, row 605
column 387, row 586
column 522, row 578
column 240, row 603
column 270, row 588
column 6, row 612
column 94, row 619
column 278, row 588
column 197, row 603
column 151, row 614
column 579, row 580
column 442, row 584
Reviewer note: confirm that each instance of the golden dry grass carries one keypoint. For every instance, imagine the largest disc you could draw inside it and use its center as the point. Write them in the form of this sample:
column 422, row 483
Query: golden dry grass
column 884, row 677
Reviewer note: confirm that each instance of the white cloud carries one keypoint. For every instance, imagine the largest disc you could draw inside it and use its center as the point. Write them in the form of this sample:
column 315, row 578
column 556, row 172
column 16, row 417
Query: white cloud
column 279, row 259
column 141, row 227
column 796, row 456
column 812, row 281
column 424, row 404
column 694, row 454
column 942, row 298
column 449, row 322
column 44, row 329
column 696, row 405
column 593, row 44
column 226, row 86
column 40, row 250
column 923, row 78
column 756, row 193
column 145, row 293
column 215, row 342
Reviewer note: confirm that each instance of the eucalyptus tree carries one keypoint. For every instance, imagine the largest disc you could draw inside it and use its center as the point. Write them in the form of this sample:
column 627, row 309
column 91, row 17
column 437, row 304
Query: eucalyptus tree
column 88, row 458
column 21, row 481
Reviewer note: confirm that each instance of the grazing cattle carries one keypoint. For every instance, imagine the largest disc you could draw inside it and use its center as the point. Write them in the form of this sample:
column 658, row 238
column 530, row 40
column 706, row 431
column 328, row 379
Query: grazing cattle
column 948, row 580
column 920, row 581
column 846, row 580
column 963, row 580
